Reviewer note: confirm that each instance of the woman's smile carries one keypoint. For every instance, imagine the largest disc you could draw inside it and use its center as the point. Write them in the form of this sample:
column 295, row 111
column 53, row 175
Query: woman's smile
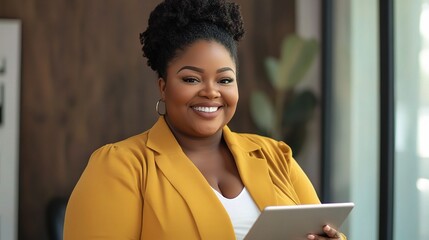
column 207, row 112
column 206, row 109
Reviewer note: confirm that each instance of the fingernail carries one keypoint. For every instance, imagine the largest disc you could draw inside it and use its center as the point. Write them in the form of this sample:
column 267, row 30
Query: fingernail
column 327, row 228
column 310, row 237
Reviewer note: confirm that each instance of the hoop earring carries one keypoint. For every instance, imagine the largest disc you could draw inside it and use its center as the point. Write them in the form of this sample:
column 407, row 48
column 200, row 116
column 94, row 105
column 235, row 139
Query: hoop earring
column 157, row 107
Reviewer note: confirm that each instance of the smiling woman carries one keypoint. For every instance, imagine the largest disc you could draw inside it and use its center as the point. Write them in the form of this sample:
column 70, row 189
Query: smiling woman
column 179, row 179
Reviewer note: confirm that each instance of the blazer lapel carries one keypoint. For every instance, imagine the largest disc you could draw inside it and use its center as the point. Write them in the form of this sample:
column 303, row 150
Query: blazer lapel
column 253, row 171
column 189, row 183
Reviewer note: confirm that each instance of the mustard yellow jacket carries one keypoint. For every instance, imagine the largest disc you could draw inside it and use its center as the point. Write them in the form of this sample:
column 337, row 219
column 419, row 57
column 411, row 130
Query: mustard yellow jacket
column 146, row 188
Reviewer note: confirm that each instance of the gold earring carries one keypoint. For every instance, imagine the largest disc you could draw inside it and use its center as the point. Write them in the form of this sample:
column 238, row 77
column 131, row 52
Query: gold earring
column 157, row 107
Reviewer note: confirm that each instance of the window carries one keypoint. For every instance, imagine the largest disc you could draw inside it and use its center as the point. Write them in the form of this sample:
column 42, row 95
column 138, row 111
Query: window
column 411, row 175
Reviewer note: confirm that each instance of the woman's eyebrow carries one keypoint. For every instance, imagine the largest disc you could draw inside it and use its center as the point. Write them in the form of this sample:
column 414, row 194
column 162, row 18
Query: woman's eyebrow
column 224, row 69
column 200, row 70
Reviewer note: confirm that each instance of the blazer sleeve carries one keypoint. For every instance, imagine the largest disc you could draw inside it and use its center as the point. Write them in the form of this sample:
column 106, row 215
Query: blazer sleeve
column 301, row 183
column 107, row 201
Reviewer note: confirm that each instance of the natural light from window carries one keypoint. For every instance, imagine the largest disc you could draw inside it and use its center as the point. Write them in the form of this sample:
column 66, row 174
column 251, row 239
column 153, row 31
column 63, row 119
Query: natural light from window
column 423, row 121
column 411, row 120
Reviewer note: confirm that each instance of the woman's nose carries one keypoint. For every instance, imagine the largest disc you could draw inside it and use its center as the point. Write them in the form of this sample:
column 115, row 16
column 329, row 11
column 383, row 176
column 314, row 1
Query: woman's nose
column 210, row 90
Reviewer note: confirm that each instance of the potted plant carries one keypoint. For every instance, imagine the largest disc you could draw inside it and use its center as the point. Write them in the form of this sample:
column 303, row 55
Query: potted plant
column 283, row 113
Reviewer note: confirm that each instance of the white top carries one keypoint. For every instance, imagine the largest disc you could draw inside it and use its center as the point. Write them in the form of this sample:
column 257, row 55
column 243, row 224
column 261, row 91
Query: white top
column 242, row 211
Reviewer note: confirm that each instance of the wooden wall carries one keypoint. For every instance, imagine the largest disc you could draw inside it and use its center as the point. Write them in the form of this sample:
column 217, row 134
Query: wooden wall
column 85, row 84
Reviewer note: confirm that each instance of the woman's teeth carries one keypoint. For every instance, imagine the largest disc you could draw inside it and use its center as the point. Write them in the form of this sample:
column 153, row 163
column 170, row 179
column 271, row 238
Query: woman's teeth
column 206, row 109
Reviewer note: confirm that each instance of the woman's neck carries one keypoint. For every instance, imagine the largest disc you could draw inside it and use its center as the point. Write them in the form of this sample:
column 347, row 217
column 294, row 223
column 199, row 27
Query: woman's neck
column 196, row 144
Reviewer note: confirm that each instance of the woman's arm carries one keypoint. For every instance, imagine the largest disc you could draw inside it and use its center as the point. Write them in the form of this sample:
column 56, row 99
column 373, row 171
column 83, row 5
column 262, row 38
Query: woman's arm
column 107, row 201
column 307, row 195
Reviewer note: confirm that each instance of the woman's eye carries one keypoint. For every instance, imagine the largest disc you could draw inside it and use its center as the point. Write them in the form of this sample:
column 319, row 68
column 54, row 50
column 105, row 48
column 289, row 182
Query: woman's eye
column 226, row 80
column 190, row 80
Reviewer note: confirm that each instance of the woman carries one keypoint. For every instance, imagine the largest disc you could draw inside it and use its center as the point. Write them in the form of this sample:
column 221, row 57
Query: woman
column 189, row 176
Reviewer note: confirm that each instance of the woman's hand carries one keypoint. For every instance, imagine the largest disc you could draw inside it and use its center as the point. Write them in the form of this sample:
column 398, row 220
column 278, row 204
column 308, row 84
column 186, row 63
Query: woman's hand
column 330, row 234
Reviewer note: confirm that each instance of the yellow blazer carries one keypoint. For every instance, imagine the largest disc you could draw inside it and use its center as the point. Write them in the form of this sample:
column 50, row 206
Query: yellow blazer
column 146, row 188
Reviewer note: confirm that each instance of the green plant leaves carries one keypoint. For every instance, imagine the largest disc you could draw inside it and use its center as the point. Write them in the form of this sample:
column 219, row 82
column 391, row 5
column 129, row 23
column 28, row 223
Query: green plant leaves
column 300, row 108
column 297, row 113
column 262, row 111
column 272, row 65
column 297, row 55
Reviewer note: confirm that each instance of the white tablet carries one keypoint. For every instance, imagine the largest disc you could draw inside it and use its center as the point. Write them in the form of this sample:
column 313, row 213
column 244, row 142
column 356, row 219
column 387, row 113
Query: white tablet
column 297, row 221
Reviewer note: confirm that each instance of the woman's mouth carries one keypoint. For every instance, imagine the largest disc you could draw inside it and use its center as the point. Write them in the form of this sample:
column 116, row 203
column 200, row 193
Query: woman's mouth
column 206, row 109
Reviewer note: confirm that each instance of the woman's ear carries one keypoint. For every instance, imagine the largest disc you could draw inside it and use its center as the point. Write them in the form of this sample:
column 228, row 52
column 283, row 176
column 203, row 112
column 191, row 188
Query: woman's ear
column 162, row 84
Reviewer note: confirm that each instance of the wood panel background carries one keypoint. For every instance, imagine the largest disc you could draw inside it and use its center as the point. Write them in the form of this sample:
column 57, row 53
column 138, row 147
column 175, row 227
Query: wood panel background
column 85, row 84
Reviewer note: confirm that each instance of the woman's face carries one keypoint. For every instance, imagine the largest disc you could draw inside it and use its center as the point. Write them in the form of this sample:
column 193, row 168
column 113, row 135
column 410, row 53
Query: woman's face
column 200, row 91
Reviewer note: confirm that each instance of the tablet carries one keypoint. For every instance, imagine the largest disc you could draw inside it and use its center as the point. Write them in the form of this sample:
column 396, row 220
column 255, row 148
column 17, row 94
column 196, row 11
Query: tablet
column 297, row 221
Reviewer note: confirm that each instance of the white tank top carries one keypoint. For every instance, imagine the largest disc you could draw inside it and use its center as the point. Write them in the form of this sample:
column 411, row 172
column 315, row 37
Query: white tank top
column 242, row 211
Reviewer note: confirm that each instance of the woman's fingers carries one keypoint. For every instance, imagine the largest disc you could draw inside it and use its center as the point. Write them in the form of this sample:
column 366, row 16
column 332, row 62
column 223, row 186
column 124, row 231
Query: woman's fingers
column 330, row 232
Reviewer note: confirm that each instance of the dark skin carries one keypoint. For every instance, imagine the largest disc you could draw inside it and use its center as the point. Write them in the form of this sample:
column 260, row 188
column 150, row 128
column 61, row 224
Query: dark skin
column 214, row 160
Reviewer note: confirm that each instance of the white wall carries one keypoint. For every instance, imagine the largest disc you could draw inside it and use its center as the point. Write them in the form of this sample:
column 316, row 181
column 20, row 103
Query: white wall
column 9, row 80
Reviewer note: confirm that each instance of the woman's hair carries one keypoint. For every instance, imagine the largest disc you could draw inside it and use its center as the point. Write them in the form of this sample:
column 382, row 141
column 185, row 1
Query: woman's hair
column 175, row 24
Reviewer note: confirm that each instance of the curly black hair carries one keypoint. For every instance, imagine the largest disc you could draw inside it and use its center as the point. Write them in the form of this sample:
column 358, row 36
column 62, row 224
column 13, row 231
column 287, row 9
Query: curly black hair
column 175, row 24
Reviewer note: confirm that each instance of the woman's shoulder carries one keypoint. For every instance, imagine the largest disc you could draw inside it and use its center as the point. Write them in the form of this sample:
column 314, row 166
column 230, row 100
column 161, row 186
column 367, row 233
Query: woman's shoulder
column 133, row 141
column 277, row 154
column 256, row 137
column 131, row 146
column 264, row 142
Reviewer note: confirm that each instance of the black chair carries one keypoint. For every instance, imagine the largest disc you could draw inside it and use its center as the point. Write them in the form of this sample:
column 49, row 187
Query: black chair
column 55, row 217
